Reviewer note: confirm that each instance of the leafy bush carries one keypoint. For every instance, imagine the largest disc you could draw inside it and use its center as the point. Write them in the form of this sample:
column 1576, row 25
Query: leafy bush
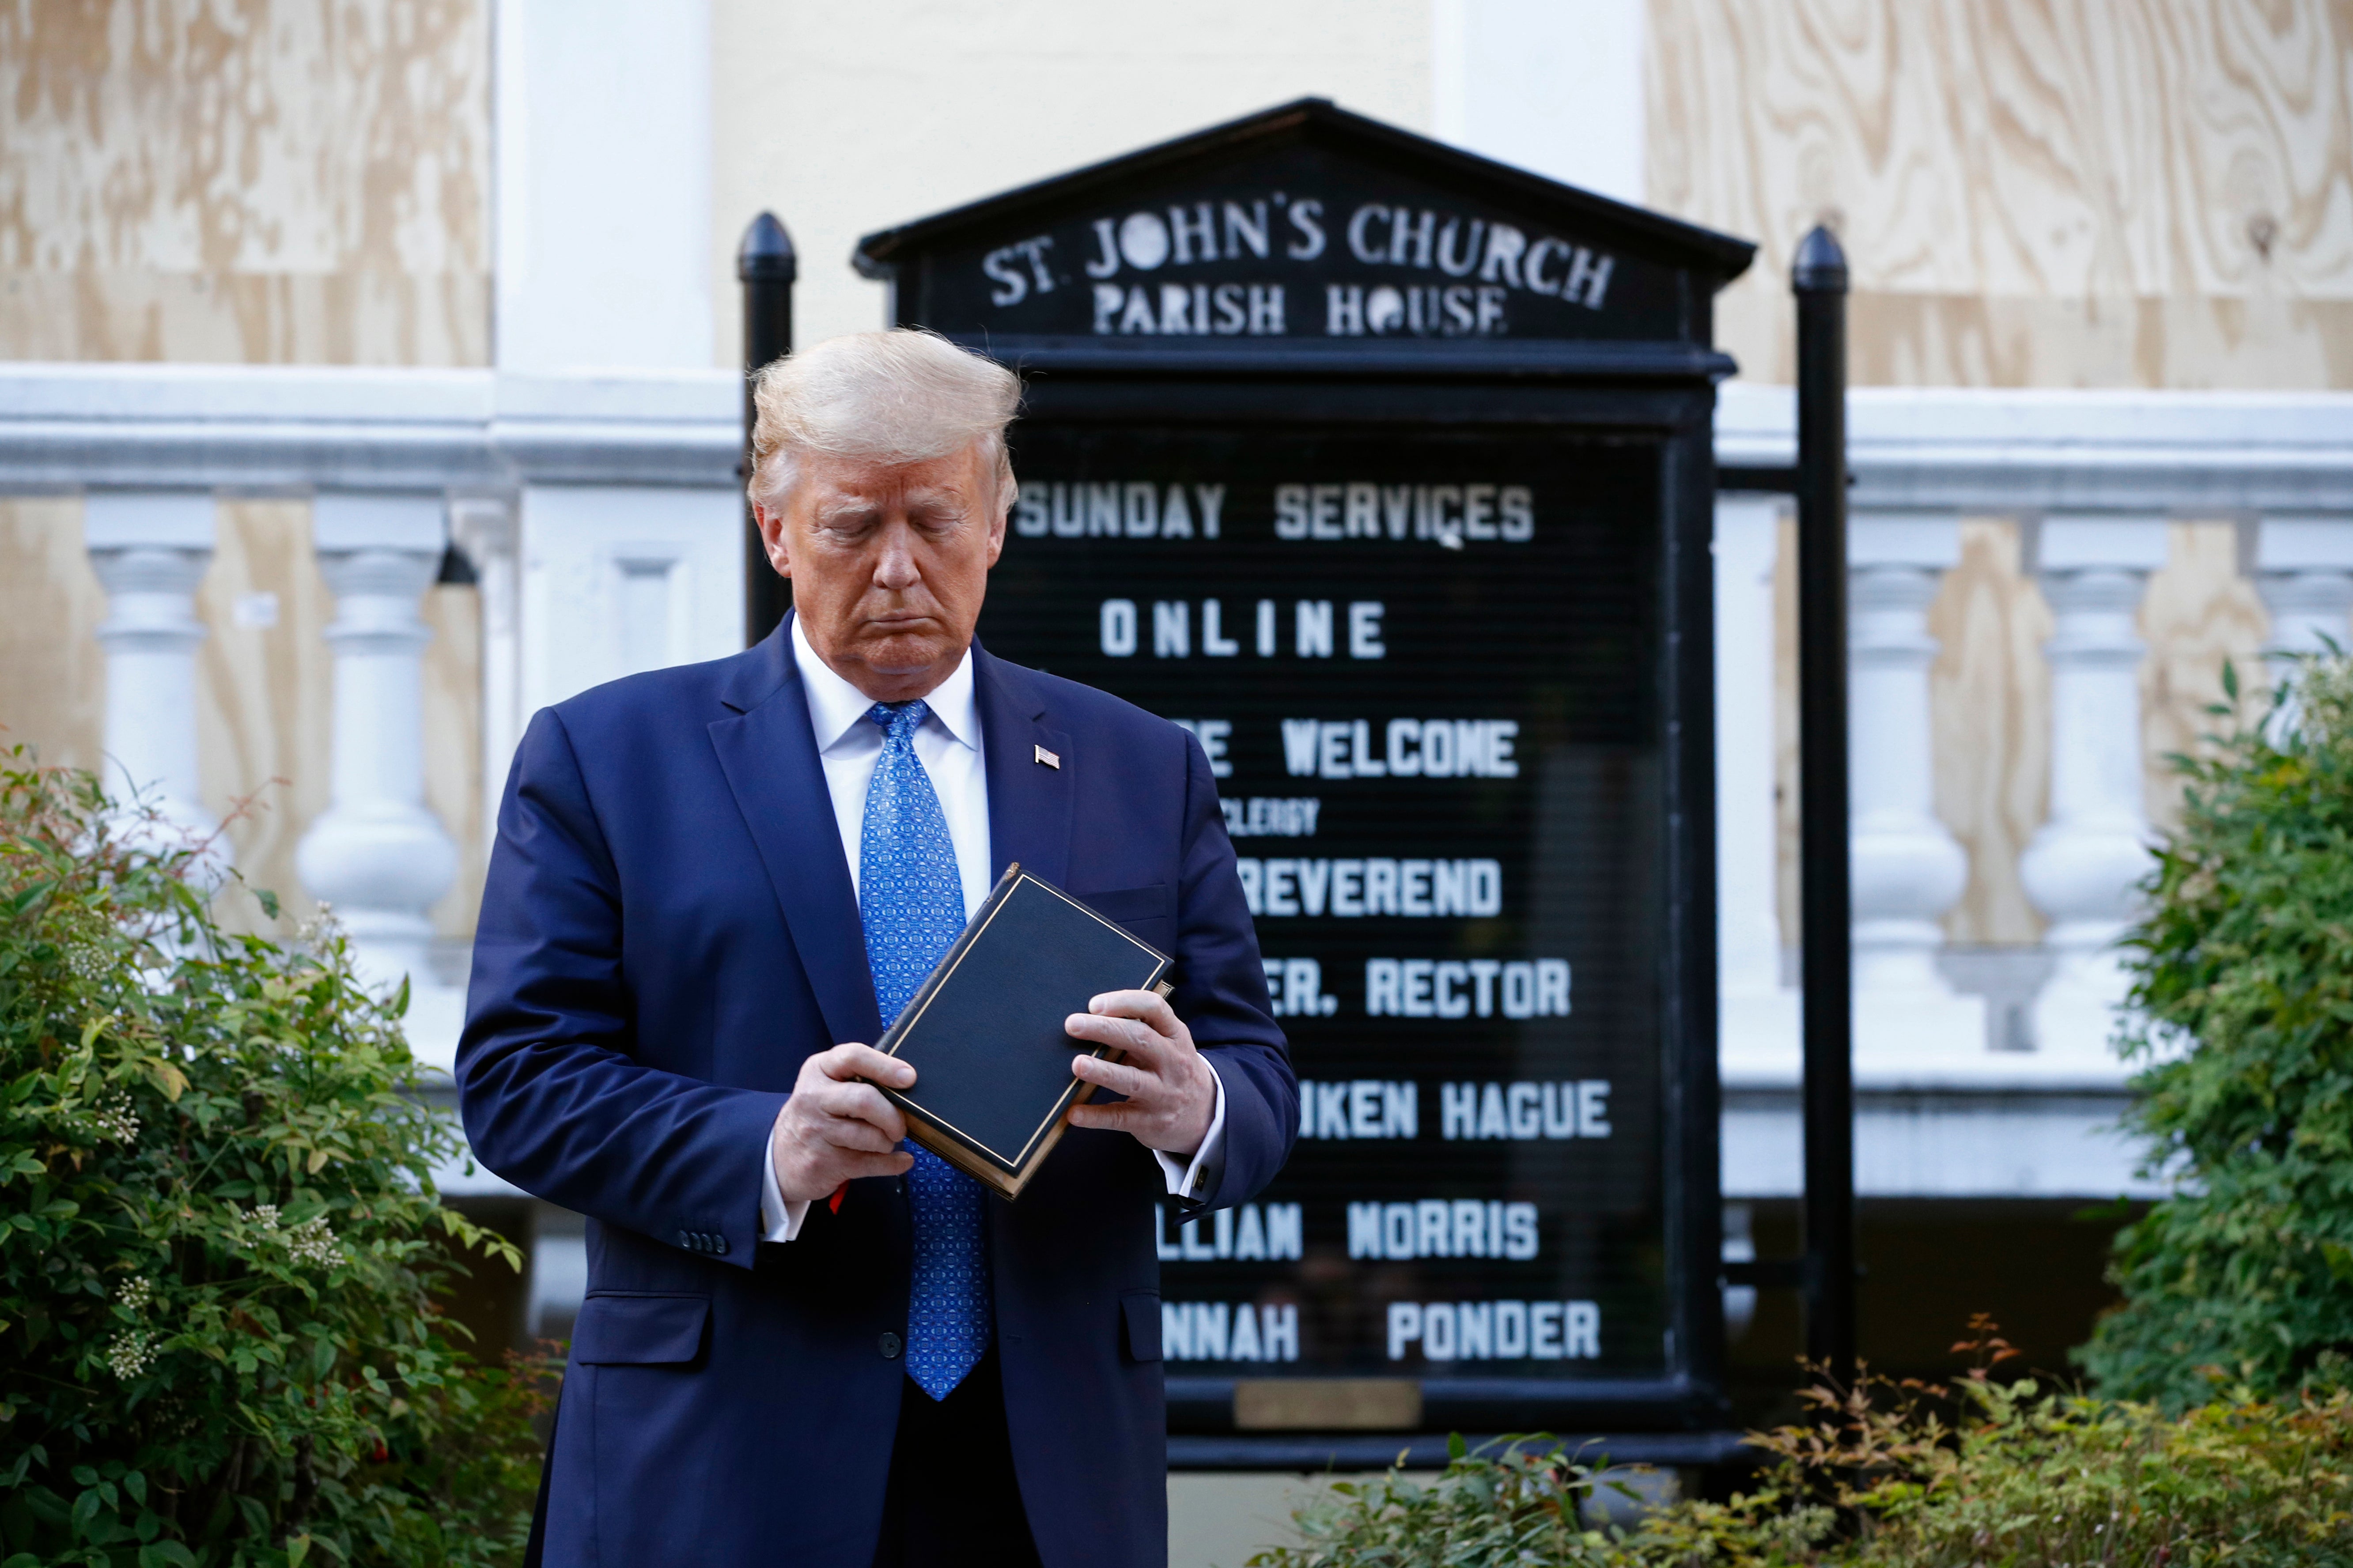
column 1516, row 1501
column 1901, row 1476
column 219, row 1241
column 2243, row 1020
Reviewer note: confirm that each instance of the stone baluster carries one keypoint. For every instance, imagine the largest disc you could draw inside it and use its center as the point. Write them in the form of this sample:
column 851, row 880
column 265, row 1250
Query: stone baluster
column 2303, row 570
column 1759, row 1011
column 149, row 550
column 2081, row 865
column 377, row 854
column 1908, row 868
column 485, row 528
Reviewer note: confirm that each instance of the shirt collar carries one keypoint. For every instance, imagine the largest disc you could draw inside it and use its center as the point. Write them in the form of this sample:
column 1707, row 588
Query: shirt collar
column 836, row 706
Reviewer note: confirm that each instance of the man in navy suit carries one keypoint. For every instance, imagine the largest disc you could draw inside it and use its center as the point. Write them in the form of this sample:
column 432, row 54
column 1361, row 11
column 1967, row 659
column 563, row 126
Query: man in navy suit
column 804, row 1342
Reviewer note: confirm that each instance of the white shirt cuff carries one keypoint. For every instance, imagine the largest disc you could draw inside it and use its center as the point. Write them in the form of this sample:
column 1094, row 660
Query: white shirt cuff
column 1181, row 1177
column 781, row 1221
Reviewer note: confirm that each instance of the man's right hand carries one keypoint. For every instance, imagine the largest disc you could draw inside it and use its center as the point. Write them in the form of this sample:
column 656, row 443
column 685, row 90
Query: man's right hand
column 835, row 1129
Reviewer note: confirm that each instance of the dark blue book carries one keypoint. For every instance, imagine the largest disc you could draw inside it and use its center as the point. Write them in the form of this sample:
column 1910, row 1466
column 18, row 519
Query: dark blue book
column 984, row 1031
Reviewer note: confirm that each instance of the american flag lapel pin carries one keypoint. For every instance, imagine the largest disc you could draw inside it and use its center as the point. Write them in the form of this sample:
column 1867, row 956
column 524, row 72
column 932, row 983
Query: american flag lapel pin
column 1050, row 759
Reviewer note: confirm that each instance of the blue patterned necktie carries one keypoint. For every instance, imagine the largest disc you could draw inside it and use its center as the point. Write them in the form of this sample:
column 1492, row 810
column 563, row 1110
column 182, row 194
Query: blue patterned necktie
column 910, row 900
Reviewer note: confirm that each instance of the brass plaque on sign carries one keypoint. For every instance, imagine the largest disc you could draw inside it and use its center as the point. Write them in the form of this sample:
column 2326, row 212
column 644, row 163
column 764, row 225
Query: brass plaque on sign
column 1327, row 1405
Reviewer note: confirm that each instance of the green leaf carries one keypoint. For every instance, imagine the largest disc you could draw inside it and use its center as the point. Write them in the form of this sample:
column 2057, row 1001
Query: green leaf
column 269, row 901
column 296, row 1549
column 279, row 1060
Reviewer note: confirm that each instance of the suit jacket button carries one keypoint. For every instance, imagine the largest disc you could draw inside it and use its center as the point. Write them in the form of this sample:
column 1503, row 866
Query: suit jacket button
column 686, row 1239
column 719, row 1242
column 890, row 1346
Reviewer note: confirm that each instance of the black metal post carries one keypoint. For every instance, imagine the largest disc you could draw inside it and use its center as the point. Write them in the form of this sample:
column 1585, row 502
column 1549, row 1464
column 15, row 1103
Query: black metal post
column 1819, row 280
column 765, row 266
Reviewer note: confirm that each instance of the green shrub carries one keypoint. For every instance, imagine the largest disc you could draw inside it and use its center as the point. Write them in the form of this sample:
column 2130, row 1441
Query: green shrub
column 2072, row 1479
column 219, row 1241
column 2242, row 1019
column 1886, row 1476
column 1518, row 1500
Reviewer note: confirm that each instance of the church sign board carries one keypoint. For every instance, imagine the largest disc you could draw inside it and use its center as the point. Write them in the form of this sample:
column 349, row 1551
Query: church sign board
column 1386, row 472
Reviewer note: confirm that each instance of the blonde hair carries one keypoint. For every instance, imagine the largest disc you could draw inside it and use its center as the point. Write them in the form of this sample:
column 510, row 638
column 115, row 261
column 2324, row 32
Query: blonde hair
column 905, row 397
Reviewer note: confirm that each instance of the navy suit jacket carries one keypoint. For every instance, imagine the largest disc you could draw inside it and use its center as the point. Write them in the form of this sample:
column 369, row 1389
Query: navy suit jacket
column 669, row 931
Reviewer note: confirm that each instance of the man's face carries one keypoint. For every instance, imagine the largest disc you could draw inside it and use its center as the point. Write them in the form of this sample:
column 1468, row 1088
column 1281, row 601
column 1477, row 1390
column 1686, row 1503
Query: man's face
column 889, row 562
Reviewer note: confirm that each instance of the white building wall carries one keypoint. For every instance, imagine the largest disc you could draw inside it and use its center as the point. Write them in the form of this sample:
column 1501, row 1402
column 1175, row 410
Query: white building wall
column 1553, row 86
column 846, row 119
column 604, row 174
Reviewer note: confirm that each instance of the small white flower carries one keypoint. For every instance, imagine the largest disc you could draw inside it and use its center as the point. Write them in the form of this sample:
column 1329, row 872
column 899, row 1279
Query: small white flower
column 311, row 1242
column 132, row 1353
column 116, row 1119
column 136, row 1293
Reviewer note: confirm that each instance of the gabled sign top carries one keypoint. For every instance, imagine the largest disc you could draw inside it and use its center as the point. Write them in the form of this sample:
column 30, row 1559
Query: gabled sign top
column 1300, row 225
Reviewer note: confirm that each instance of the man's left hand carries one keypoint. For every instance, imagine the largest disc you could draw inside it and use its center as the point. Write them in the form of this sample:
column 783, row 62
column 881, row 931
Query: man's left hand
column 1172, row 1095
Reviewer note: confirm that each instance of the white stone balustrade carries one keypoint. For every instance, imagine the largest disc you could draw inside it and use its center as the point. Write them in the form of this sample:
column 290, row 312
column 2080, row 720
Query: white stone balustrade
column 486, row 529
column 1759, row 1011
column 2081, row 867
column 2303, row 570
column 149, row 550
column 377, row 854
column 601, row 513
column 1908, row 869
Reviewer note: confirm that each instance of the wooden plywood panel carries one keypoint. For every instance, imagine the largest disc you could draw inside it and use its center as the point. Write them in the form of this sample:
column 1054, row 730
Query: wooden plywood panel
column 2202, row 344
column 265, row 731
column 2150, row 193
column 52, row 671
column 264, row 695
column 1989, row 713
column 2198, row 612
column 276, row 181
column 1990, row 726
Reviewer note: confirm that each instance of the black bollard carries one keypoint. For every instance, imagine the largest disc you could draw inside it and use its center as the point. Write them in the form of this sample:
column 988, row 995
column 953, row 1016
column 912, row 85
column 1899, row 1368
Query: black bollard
column 1819, row 277
column 765, row 266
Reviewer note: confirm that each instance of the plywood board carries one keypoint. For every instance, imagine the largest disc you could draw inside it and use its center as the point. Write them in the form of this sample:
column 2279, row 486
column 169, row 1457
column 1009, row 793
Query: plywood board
column 2157, row 193
column 276, row 182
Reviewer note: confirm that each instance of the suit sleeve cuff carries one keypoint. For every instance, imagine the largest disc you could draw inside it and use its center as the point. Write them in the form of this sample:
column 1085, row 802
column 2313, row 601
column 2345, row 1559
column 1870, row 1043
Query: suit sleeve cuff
column 781, row 1221
column 1185, row 1179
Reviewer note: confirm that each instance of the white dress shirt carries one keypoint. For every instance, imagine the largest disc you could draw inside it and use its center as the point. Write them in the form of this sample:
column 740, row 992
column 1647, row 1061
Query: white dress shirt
column 947, row 743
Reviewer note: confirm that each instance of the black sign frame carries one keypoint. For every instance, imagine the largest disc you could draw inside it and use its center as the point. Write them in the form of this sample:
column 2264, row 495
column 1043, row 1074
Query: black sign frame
column 1653, row 383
